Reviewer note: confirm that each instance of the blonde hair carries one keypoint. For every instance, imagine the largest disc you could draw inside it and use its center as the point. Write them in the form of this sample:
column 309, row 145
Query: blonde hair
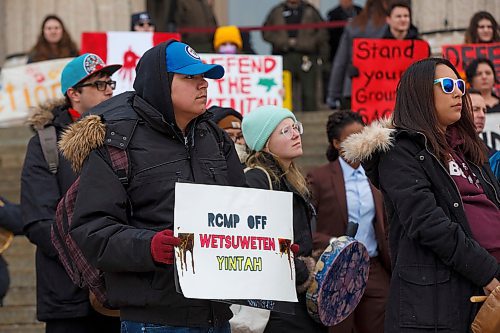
column 292, row 174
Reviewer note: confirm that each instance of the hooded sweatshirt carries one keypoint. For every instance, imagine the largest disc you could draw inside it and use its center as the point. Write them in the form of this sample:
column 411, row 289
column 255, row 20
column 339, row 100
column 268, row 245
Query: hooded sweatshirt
column 123, row 222
column 482, row 214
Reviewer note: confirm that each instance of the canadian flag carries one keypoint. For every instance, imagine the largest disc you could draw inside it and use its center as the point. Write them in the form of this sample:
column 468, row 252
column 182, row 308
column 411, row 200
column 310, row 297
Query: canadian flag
column 124, row 48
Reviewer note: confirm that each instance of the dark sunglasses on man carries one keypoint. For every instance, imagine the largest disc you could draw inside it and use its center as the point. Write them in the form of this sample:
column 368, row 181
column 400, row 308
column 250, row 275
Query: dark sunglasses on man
column 100, row 84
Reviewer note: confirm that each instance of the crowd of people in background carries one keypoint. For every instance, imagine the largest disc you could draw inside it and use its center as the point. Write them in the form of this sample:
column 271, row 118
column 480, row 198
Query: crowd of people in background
column 422, row 185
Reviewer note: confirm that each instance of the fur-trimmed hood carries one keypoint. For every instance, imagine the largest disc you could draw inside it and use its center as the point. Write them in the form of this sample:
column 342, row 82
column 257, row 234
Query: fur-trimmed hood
column 80, row 138
column 376, row 138
column 368, row 146
column 45, row 113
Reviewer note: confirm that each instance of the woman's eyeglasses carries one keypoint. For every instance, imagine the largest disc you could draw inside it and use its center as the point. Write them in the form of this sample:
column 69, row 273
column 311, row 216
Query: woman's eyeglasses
column 448, row 84
column 100, row 85
column 287, row 131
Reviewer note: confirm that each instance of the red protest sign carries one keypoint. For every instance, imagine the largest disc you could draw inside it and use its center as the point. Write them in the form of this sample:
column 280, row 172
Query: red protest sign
column 462, row 55
column 380, row 64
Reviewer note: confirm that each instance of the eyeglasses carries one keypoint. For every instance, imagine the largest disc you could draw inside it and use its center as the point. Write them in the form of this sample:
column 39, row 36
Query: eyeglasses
column 141, row 24
column 287, row 131
column 448, row 85
column 100, row 85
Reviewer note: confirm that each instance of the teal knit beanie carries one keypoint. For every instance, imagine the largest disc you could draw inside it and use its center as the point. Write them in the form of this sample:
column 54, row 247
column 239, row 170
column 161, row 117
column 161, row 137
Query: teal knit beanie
column 260, row 123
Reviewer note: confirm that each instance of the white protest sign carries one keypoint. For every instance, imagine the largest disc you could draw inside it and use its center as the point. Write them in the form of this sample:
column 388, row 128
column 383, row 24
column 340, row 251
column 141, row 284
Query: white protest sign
column 249, row 81
column 124, row 48
column 491, row 132
column 27, row 86
column 234, row 243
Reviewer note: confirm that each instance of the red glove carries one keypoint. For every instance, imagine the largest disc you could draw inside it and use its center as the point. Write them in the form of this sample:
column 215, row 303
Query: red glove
column 162, row 246
column 295, row 248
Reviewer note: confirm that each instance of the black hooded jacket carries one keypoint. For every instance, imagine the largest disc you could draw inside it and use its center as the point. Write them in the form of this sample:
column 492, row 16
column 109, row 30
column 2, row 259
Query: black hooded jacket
column 57, row 296
column 114, row 224
column 436, row 263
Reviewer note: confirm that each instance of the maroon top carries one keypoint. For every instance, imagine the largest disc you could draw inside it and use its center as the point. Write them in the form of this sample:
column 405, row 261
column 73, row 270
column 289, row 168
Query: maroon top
column 482, row 214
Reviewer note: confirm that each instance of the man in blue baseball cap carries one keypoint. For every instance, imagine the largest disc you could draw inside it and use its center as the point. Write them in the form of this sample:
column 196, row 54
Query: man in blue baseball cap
column 46, row 176
column 127, row 232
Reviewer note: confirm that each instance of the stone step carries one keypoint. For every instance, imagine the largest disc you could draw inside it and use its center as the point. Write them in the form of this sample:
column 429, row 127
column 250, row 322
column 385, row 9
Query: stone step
column 25, row 314
column 11, row 176
column 315, row 150
column 15, row 133
column 20, row 244
column 20, row 257
column 22, row 278
column 23, row 260
column 12, row 160
column 313, row 117
column 19, row 250
column 20, row 296
column 20, row 328
column 313, row 141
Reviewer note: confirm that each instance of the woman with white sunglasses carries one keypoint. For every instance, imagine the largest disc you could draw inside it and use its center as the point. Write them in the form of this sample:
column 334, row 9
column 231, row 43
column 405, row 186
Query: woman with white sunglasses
column 441, row 199
column 273, row 135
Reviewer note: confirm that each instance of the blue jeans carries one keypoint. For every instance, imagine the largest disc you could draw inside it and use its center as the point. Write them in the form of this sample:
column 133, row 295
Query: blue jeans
column 135, row 327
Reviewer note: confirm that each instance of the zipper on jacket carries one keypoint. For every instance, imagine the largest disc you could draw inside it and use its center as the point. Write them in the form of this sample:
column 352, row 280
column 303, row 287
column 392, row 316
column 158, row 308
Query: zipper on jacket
column 445, row 171
column 212, row 172
column 188, row 153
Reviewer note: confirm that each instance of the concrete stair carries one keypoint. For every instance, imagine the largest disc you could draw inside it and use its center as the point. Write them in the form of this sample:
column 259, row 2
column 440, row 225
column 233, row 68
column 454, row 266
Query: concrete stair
column 314, row 139
column 19, row 311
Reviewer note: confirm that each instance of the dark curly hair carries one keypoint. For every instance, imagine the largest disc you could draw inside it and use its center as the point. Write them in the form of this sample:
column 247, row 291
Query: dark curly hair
column 337, row 121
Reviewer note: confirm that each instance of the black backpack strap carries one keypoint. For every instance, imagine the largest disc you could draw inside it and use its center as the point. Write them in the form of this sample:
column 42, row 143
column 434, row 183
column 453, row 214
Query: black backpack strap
column 48, row 142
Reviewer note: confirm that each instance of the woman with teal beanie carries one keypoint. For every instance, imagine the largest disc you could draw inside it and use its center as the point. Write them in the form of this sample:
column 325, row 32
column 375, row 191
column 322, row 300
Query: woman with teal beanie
column 273, row 135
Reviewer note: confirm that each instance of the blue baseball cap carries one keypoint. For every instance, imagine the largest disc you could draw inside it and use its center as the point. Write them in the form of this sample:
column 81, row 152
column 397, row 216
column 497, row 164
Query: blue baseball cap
column 80, row 68
column 182, row 59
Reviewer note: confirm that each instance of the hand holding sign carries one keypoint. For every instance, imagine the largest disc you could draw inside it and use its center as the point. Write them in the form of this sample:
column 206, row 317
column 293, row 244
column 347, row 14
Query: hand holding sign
column 162, row 246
